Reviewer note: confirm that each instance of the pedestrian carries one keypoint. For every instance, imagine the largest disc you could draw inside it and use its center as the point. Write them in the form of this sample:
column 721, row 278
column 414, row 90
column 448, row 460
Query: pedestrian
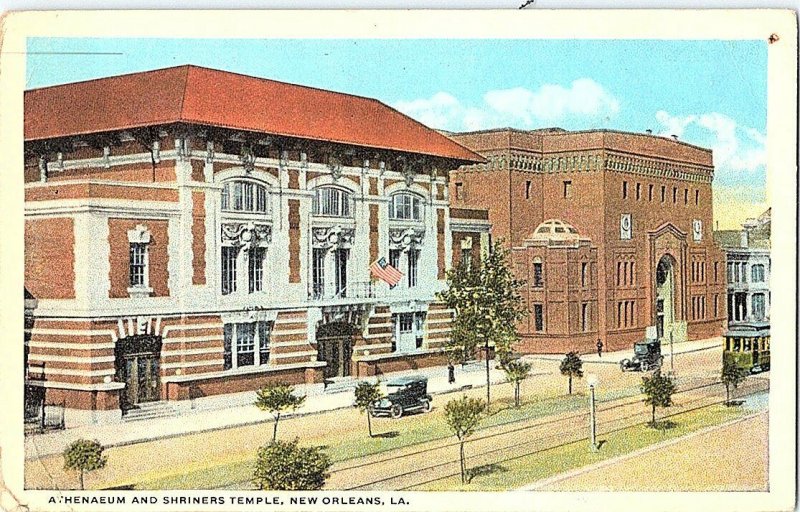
column 599, row 348
column 451, row 373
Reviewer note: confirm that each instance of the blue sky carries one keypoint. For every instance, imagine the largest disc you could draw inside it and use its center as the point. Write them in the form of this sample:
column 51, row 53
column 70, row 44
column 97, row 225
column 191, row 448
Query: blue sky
column 710, row 93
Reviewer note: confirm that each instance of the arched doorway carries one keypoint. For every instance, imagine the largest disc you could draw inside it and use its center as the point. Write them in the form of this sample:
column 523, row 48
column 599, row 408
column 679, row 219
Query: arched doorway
column 335, row 347
column 665, row 297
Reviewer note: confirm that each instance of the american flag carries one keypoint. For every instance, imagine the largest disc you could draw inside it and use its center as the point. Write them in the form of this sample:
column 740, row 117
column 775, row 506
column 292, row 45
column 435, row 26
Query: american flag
column 385, row 272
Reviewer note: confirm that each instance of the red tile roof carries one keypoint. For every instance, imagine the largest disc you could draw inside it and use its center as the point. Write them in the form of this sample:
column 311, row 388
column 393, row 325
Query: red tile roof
column 211, row 97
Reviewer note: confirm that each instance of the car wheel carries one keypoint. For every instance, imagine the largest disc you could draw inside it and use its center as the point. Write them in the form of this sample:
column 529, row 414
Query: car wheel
column 426, row 405
column 623, row 365
column 645, row 367
column 397, row 411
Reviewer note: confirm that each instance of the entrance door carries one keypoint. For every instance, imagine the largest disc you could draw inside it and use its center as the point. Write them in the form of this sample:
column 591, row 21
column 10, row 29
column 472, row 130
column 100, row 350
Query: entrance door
column 141, row 378
column 665, row 298
column 335, row 347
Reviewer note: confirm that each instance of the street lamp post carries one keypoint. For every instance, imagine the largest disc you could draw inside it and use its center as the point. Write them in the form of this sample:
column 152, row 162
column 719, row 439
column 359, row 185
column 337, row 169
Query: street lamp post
column 671, row 354
column 486, row 340
column 592, row 381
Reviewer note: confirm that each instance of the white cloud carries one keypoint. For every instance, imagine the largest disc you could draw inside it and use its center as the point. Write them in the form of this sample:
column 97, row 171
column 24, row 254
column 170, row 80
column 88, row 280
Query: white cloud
column 518, row 107
column 736, row 148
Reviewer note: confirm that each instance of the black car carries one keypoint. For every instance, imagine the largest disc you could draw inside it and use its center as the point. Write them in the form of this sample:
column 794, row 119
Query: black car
column 405, row 394
column 646, row 356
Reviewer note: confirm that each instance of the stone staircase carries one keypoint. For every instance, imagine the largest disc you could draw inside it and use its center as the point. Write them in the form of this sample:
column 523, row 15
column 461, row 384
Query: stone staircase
column 150, row 410
column 340, row 384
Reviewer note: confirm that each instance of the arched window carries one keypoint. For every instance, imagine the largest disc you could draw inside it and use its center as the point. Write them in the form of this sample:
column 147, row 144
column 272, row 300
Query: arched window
column 332, row 202
column 244, row 196
column 405, row 206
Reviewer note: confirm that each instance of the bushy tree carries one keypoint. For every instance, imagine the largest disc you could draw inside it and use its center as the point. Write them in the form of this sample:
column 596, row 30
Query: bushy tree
column 365, row 394
column 517, row 371
column 276, row 398
column 487, row 305
column 84, row 455
column 285, row 466
column 462, row 416
column 658, row 391
column 732, row 375
column 571, row 366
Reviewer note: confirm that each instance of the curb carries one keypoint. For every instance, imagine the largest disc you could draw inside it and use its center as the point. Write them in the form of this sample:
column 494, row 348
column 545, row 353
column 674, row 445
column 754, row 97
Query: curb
column 599, row 465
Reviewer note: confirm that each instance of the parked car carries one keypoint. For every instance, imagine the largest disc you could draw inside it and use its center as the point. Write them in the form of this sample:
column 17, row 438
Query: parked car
column 646, row 356
column 404, row 394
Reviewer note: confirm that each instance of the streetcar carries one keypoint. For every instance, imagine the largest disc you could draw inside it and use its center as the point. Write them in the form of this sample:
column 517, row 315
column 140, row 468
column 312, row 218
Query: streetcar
column 748, row 345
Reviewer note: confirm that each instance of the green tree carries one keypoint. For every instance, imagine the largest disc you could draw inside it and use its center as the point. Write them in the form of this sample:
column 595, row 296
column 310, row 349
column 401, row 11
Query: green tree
column 571, row 366
column 487, row 305
column 732, row 375
column 365, row 394
column 276, row 398
column 462, row 416
column 285, row 466
column 84, row 455
column 658, row 391
column 516, row 372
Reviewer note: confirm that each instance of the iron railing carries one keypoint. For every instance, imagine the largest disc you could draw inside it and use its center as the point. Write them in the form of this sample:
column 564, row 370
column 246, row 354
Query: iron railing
column 357, row 290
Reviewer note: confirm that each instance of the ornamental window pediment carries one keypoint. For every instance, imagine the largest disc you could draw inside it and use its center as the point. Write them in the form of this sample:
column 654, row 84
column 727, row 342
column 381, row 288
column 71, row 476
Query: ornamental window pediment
column 332, row 237
column 405, row 239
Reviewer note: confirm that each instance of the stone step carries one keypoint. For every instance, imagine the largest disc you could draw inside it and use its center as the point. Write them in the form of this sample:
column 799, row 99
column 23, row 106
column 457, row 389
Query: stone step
column 340, row 384
column 150, row 410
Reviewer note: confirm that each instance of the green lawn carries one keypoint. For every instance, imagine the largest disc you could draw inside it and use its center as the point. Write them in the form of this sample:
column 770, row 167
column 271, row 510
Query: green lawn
column 406, row 432
column 515, row 473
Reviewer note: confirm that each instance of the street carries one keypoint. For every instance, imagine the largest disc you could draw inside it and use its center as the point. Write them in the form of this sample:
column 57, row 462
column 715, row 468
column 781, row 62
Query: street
column 416, row 450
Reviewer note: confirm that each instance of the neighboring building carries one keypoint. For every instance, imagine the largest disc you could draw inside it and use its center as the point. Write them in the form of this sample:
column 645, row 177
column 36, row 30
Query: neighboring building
column 193, row 232
column 610, row 230
column 748, row 269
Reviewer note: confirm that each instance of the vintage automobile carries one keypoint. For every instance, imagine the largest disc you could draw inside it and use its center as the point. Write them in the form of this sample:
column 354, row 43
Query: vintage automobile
column 646, row 356
column 404, row 394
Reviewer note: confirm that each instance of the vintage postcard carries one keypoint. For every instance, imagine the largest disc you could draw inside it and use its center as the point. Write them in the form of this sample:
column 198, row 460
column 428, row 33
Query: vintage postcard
column 385, row 260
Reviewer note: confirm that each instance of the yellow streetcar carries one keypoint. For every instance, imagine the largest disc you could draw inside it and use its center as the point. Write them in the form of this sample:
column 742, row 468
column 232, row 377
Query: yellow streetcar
column 748, row 345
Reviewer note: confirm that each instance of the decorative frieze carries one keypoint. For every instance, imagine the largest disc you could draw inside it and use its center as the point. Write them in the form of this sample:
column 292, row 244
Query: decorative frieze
column 405, row 238
column 247, row 234
column 332, row 237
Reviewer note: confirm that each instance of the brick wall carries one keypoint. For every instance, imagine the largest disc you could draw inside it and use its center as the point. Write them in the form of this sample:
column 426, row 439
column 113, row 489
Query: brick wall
column 50, row 258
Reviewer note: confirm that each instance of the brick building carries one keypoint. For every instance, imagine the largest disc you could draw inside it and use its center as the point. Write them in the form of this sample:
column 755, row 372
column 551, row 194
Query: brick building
column 611, row 231
column 193, row 232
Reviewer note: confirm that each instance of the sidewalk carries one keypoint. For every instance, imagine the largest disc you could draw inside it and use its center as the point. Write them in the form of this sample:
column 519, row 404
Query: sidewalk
column 615, row 357
column 240, row 412
column 234, row 410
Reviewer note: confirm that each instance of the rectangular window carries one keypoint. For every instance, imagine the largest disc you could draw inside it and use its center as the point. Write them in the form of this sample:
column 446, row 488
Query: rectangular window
column 248, row 196
column 567, row 189
column 624, row 190
column 674, row 195
column 730, row 272
column 318, row 273
column 663, row 193
column 466, row 257
column 413, row 259
column 619, row 315
column 342, row 256
column 406, row 322
column 757, row 272
column 716, row 306
column 227, row 347
column 538, row 317
column 264, row 332
column 538, row 275
column 261, row 199
column 245, row 344
column 256, row 269
column 686, row 196
column 633, row 273
column 238, row 199
column 229, row 269
column 716, row 271
column 527, row 189
column 460, row 191
column 758, row 306
column 650, row 192
column 394, row 258
column 419, row 328
column 584, row 274
column 584, row 317
column 696, row 197
column 638, row 191
column 138, row 264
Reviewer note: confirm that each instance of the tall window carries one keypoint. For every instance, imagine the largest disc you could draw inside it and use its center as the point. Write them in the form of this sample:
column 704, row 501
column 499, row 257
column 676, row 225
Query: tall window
column 342, row 256
column 466, row 257
column 538, row 274
column 413, row 260
column 757, row 273
column 138, row 264
column 696, row 197
column 567, row 189
column 584, row 273
column 528, row 189
column 229, row 269
column 459, row 191
column 638, row 191
column 538, row 317
column 332, row 202
column 584, row 317
column 246, row 344
column 649, row 192
column 256, row 269
column 404, row 206
column 663, row 193
column 244, row 196
column 624, row 190
column 758, row 306
column 318, row 273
